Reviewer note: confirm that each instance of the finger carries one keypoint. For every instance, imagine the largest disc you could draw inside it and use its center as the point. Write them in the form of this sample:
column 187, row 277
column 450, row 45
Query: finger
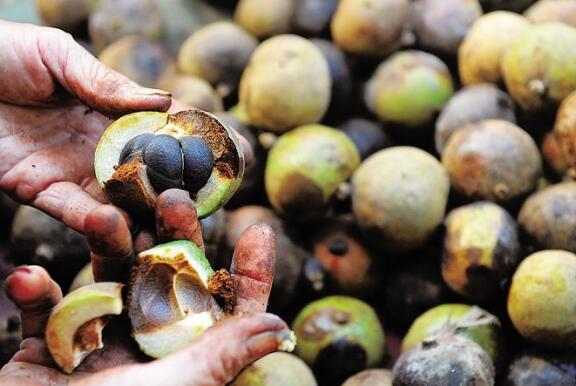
column 253, row 268
column 34, row 350
column 144, row 240
column 35, row 294
column 110, row 240
column 176, row 218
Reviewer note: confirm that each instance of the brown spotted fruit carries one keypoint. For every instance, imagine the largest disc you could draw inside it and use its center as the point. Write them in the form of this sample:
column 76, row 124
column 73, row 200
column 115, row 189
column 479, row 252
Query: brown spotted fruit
column 542, row 368
column 544, row 11
column 540, row 68
column 305, row 167
column 481, row 250
column 75, row 326
column 542, row 299
column 492, row 160
column 481, row 51
column 191, row 91
column 264, row 19
column 565, row 129
column 399, row 197
column 276, row 369
column 409, row 88
column 553, row 154
column 338, row 336
column 370, row 377
column 142, row 154
column 287, row 84
column 548, row 217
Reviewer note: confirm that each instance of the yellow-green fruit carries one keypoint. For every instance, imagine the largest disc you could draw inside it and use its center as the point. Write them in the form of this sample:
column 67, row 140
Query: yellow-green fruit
column 540, row 68
column 481, row 52
column 409, row 88
column 191, row 91
column 565, row 129
column 64, row 14
column 543, row 11
column 542, row 299
column 305, row 168
column 370, row 377
column 286, row 84
column 399, row 197
column 370, row 27
column 276, row 369
column 264, row 18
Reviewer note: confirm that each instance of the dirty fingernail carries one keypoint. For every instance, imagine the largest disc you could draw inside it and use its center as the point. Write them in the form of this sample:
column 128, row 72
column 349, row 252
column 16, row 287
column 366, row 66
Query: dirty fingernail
column 270, row 341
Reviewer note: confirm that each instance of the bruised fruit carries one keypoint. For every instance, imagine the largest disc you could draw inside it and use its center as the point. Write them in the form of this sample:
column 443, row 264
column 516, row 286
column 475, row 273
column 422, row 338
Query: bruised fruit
column 371, row 377
column 472, row 104
column 534, row 368
column 312, row 17
column 399, row 197
column 467, row 321
column 218, row 53
column 276, row 369
column 368, row 136
column 114, row 19
column 542, row 299
column 553, row 154
column 565, row 129
column 139, row 59
column 83, row 278
column 440, row 26
column 540, row 68
column 482, row 50
column 481, row 250
column 174, row 296
column 558, row 10
column 286, row 84
column 446, row 359
column 264, row 19
column 190, row 149
column 64, row 14
column 371, row 27
column 409, row 88
column 492, row 160
column 548, row 217
column 75, row 326
column 338, row 336
column 305, row 168
column 191, row 91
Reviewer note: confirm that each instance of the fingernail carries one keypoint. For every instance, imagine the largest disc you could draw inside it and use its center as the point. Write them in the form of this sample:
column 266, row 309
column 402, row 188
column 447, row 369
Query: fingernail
column 153, row 92
column 268, row 342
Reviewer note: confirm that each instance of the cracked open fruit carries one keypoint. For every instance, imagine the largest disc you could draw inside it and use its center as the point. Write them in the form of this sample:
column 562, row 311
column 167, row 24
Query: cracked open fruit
column 174, row 296
column 75, row 325
column 142, row 154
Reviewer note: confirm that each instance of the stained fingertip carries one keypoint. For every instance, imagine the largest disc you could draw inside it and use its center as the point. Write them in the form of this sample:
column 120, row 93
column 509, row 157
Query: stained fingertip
column 27, row 285
column 144, row 240
column 108, row 232
column 177, row 219
column 255, row 253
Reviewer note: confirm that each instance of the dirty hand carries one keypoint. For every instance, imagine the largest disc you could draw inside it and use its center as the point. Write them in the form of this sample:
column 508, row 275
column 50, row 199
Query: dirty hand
column 214, row 359
column 55, row 101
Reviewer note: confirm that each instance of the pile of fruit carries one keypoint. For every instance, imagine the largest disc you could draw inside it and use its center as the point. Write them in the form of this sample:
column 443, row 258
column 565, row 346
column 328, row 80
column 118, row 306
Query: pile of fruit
column 416, row 159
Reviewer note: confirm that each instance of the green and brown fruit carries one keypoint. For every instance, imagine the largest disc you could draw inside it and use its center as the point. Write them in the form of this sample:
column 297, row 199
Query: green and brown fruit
column 540, row 68
column 548, row 217
column 371, row 377
column 492, row 160
column 481, row 52
column 142, row 154
column 543, row 11
column 192, row 91
column 541, row 368
column 553, row 154
column 399, row 197
column 264, row 19
column 409, row 88
column 565, row 129
column 287, row 84
column 370, row 28
column 276, row 369
column 542, row 299
column 74, row 328
column 305, row 167
column 338, row 336
column 481, row 250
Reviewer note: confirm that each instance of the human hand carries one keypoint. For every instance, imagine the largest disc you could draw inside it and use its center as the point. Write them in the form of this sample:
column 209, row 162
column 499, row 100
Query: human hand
column 214, row 359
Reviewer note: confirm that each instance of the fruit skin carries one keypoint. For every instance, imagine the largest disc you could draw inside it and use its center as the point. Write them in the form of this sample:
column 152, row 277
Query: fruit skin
column 399, row 197
column 481, row 250
column 444, row 360
column 552, row 153
column 472, row 104
column 492, row 160
column 563, row 11
column 482, row 50
column 133, row 193
column 467, row 321
column 305, row 167
column 540, row 368
column 276, row 369
column 440, row 26
column 218, row 53
column 312, row 17
column 287, row 84
column 542, row 299
column 368, row 136
column 64, row 14
column 548, row 217
column 191, row 91
column 338, row 336
column 565, row 129
column 371, row 377
column 83, row 278
column 264, row 19
column 371, row 28
column 539, row 69
column 74, row 328
column 409, row 88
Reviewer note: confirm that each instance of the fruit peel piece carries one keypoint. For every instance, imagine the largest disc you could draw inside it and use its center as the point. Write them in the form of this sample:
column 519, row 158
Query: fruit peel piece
column 75, row 325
